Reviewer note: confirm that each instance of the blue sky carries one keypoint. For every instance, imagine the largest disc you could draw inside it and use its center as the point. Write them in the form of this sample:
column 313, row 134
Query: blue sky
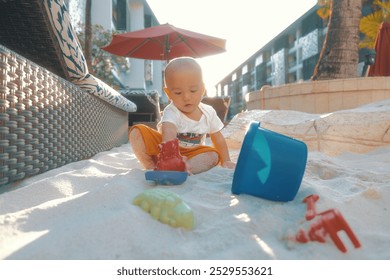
column 247, row 25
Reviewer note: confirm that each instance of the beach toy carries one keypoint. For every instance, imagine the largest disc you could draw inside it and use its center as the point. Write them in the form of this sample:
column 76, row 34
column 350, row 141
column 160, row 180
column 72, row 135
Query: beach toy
column 166, row 207
column 166, row 177
column 171, row 167
column 270, row 165
column 169, row 157
column 311, row 207
column 329, row 222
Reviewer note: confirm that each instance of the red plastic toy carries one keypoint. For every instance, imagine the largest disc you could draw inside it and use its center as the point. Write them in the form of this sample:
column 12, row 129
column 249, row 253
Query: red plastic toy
column 170, row 158
column 311, row 208
column 333, row 222
column 329, row 222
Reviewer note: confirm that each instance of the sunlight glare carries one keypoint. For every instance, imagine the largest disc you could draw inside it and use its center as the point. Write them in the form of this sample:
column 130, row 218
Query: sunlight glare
column 264, row 246
column 243, row 217
column 246, row 26
column 234, row 202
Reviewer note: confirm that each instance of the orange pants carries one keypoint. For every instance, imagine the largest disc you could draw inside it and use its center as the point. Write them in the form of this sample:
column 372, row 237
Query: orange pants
column 153, row 138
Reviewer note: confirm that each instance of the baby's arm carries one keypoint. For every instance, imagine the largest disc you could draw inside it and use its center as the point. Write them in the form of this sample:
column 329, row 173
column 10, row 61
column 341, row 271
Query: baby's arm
column 168, row 131
column 219, row 143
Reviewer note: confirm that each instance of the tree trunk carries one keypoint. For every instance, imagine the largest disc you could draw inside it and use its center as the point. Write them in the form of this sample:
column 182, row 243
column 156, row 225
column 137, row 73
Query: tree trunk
column 88, row 35
column 339, row 56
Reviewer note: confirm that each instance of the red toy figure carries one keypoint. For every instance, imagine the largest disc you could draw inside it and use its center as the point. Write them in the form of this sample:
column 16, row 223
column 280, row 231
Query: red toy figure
column 333, row 222
column 311, row 208
column 170, row 158
column 329, row 222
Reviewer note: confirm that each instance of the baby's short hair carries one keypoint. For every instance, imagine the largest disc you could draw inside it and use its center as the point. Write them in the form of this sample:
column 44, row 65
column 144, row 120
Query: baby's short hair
column 180, row 63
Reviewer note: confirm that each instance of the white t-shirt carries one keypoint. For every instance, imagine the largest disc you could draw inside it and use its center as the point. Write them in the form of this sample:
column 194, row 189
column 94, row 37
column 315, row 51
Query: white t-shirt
column 190, row 132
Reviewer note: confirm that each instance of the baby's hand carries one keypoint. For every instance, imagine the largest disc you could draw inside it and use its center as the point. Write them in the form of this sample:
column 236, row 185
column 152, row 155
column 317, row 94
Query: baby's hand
column 228, row 164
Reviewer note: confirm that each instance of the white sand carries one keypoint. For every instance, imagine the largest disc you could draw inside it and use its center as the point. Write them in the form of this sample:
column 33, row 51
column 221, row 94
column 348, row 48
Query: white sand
column 84, row 210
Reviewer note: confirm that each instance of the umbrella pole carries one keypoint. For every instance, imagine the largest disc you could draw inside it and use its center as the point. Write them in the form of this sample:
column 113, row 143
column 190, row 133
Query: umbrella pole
column 166, row 48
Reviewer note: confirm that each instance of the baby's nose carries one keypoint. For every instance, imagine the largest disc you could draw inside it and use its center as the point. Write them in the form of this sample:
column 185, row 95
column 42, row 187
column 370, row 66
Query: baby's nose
column 187, row 95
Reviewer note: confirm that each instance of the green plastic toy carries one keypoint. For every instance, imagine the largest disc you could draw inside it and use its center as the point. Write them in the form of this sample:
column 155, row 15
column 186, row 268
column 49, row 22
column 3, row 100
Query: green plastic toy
column 166, row 207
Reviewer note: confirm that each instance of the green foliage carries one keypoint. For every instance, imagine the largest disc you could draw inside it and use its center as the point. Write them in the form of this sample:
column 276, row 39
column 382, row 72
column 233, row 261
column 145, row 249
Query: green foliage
column 103, row 63
column 370, row 24
column 325, row 9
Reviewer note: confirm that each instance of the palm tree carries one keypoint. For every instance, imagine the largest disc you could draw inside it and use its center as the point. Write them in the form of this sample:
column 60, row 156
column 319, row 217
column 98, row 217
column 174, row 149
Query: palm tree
column 88, row 35
column 339, row 56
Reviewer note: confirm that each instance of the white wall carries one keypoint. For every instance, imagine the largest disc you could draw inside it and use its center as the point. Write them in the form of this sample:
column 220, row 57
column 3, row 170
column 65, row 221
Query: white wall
column 136, row 79
column 102, row 13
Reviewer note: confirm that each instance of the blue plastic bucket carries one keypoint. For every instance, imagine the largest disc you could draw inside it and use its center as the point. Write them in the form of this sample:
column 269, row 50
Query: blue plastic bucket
column 270, row 165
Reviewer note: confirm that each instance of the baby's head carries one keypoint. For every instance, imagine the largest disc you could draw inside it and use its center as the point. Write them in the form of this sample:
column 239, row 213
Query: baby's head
column 180, row 65
column 183, row 82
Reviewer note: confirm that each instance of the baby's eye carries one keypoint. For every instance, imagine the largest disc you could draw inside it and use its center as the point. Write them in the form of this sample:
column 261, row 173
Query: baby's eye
column 177, row 92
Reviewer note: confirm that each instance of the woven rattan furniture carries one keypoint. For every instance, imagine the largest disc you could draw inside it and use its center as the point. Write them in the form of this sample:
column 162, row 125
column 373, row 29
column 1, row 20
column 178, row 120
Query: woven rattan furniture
column 24, row 28
column 46, row 120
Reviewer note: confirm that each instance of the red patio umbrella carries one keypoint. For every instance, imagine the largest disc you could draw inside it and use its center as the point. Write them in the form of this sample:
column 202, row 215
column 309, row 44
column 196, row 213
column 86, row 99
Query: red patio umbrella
column 164, row 42
column 381, row 66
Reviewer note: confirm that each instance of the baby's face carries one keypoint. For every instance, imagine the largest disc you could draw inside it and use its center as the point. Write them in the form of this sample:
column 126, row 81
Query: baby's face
column 185, row 88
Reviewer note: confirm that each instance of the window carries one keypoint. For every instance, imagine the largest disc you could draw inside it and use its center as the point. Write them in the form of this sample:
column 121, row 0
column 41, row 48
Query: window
column 148, row 66
column 119, row 14
column 226, row 90
column 259, row 59
column 244, row 70
column 148, row 21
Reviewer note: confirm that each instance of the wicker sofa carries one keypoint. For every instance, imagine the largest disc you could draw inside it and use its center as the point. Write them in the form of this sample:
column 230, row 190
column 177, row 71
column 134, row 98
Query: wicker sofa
column 148, row 106
column 52, row 111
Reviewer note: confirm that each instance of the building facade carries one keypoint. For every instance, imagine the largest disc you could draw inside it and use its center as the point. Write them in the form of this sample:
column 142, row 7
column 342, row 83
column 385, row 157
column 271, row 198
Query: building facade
column 288, row 58
column 125, row 16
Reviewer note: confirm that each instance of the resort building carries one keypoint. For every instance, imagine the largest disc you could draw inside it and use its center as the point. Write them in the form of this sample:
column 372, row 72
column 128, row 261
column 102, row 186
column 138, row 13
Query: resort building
column 288, row 58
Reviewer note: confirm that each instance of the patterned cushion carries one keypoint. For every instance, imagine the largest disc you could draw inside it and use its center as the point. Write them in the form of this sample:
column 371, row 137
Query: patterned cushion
column 67, row 39
column 76, row 66
column 95, row 86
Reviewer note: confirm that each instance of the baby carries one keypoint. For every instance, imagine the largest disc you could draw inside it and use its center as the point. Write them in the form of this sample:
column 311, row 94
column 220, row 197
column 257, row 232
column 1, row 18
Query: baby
column 185, row 118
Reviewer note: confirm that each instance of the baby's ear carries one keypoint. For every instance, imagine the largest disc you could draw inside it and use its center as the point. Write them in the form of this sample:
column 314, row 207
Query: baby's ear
column 166, row 90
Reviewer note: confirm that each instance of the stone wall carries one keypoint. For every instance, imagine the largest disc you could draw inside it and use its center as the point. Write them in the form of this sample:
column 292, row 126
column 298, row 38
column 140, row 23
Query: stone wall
column 320, row 96
column 357, row 130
